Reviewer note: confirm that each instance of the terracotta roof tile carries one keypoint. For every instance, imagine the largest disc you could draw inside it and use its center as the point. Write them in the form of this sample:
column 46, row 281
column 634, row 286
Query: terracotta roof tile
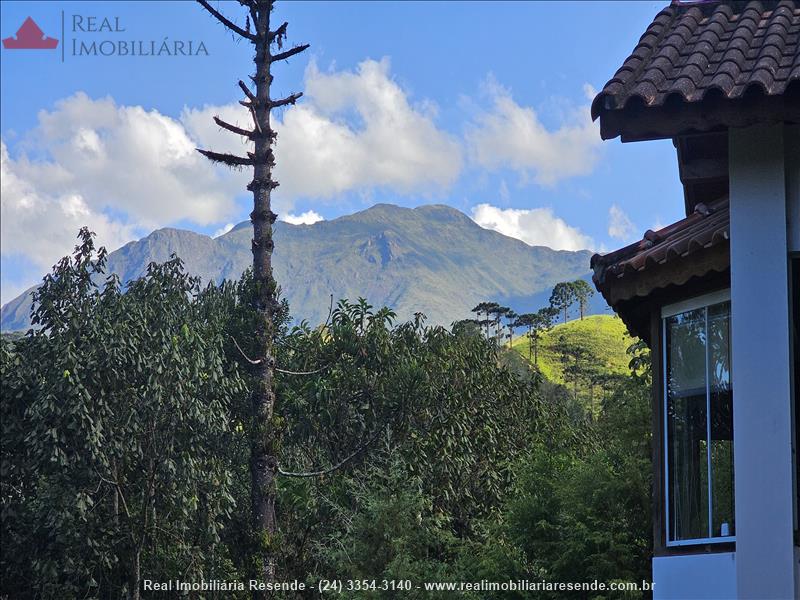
column 692, row 48
column 707, row 227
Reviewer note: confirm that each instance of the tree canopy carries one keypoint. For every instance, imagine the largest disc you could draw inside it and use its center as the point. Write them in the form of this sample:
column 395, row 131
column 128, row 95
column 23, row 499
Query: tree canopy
column 408, row 451
column 116, row 418
column 562, row 297
column 582, row 292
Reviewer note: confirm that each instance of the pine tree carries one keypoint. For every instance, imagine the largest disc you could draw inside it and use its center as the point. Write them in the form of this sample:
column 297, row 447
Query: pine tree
column 583, row 292
column 562, row 297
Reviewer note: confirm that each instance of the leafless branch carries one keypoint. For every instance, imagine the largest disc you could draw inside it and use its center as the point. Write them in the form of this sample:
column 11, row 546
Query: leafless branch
column 247, row 91
column 227, row 22
column 278, row 35
column 289, row 53
column 233, row 128
column 249, row 105
column 230, row 160
column 284, row 101
column 247, row 358
column 338, row 465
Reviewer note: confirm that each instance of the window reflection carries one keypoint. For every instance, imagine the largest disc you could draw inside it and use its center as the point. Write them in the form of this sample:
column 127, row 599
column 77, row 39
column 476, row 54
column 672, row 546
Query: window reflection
column 721, row 403
column 699, row 448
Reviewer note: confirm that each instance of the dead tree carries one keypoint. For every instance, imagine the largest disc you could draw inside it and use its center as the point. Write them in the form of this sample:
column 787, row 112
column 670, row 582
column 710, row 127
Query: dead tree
column 262, row 430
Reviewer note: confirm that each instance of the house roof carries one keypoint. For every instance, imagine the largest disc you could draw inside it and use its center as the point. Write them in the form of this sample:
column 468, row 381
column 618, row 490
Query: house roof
column 692, row 247
column 711, row 54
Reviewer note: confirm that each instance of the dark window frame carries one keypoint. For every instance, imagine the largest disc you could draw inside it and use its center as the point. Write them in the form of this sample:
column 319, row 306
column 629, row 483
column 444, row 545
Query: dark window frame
column 667, row 311
column 712, row 282
column 794, row 349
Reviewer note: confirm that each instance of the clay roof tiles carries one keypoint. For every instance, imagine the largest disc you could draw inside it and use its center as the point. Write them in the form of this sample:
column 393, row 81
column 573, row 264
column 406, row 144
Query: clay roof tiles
column 707, row 227
column 693, row 50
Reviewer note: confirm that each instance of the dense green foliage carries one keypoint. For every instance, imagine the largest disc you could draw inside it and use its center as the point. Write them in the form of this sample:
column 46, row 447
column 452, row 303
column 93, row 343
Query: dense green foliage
column 123, row 437
column 576, row 509
column 115, row 424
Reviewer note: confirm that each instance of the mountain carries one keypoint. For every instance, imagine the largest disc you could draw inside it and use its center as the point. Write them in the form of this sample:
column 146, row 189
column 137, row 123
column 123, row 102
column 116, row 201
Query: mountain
column 432, row 259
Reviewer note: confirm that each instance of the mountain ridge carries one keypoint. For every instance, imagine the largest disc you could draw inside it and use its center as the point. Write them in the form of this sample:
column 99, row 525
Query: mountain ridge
column 432, row 259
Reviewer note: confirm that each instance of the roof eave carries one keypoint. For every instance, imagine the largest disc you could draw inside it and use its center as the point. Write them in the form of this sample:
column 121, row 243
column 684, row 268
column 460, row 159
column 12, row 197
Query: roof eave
column 636, row 122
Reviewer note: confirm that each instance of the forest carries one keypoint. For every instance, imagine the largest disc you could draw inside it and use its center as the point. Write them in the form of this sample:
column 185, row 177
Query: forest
column 408, row 452
column 165, row 429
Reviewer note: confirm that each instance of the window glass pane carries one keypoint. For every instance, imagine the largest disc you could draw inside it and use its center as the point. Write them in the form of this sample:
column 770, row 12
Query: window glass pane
column 719, row 370
column 687, row 425
column 796, row 353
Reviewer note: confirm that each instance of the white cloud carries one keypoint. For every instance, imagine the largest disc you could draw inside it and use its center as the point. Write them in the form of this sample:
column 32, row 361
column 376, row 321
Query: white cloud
column 537, row 227
column 619, row 224
column 200, row 126
column 134, row 161
column 222, row 230
column 43, row 226
column 513, row 136
column 321, row 153
column 120, row 170
column 125, row 170
column 307, row 218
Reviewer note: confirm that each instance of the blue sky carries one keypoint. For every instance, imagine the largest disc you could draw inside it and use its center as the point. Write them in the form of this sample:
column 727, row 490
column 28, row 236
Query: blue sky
column 482, row 106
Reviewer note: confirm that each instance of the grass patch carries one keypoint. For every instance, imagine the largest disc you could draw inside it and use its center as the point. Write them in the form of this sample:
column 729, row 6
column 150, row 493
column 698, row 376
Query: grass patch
column 602, row 336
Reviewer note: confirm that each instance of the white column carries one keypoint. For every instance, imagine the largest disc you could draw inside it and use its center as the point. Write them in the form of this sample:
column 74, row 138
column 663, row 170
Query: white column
column 760, row 364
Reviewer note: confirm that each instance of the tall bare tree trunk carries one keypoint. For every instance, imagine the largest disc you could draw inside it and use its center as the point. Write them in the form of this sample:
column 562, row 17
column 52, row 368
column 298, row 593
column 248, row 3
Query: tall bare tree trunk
column 262, row 430
column 263, row 461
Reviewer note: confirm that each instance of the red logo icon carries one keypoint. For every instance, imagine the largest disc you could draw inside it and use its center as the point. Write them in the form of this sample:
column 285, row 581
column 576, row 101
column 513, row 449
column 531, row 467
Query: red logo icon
column 30, row 37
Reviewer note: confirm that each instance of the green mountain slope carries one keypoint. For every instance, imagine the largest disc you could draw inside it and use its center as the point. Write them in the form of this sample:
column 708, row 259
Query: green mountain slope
column 603, row 337
column 432, row 259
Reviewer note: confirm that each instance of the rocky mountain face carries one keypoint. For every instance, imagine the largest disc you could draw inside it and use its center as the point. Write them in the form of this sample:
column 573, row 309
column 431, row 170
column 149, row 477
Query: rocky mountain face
column 432, row 259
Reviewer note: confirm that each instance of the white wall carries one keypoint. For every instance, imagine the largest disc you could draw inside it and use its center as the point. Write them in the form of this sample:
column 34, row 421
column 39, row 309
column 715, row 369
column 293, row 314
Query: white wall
column 693, row 576
column 760, row 364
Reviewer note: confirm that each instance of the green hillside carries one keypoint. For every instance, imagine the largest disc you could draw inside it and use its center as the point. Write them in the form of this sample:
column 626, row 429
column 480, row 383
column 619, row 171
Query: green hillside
column 604, row 337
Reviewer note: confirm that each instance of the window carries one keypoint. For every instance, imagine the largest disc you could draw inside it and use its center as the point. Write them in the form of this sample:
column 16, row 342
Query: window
column 794, row 291
column 698, row 421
